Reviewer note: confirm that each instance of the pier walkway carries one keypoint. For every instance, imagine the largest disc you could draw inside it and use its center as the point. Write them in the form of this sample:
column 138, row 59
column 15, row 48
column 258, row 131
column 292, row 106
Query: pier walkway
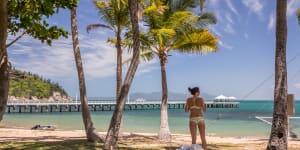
column 31, row 107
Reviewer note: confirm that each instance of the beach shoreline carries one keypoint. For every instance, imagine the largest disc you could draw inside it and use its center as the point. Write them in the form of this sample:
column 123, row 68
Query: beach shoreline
column 136, row 140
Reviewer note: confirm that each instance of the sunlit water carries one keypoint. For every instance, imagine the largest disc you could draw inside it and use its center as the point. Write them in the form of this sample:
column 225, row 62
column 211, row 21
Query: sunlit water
column 220, row 122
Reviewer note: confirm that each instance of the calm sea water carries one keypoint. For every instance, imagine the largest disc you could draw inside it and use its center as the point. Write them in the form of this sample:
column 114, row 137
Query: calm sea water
column 221, row 122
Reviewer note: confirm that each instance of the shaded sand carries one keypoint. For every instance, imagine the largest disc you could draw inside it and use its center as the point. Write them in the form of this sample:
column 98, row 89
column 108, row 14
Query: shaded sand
column 9, row 136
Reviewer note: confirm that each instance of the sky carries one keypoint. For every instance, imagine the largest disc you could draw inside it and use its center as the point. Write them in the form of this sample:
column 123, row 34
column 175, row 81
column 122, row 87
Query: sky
column 245, row 59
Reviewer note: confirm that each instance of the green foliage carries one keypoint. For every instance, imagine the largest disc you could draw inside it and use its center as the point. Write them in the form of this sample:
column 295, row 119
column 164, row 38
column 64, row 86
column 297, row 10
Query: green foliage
column 298, row 16
column 114, row 13
column 30, row 16
column 26, row 84
column 176, row 28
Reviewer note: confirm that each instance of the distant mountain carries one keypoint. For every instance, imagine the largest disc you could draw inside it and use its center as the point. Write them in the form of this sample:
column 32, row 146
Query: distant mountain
column 172, row 96
column 156, row 96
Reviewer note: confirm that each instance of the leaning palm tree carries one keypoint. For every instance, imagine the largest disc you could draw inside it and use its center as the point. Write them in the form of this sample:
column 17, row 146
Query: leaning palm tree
column 174, row 29
column 4, row 63
column 115, row 15
column 87, row 120
column 279, row 132
column 111, row 140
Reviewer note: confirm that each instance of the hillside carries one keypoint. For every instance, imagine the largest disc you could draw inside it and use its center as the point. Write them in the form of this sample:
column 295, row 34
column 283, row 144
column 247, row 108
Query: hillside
column 27, row 85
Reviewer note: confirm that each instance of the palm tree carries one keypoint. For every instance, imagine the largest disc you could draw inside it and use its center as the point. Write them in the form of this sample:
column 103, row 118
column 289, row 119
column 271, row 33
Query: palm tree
column 279, row 132
column 113, row 131
column 174, row 29
column 87, row 120
column 4, row 63
column 115, row 14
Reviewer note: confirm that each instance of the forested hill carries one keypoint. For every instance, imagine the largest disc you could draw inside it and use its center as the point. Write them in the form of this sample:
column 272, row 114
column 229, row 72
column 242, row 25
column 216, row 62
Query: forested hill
column 28, row 85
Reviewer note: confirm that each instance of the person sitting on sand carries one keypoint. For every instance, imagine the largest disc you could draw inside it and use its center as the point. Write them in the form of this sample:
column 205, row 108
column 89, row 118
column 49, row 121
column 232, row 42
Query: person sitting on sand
column 196, row 105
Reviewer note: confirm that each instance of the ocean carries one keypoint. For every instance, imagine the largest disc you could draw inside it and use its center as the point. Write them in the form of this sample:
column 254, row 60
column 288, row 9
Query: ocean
column 233, row 122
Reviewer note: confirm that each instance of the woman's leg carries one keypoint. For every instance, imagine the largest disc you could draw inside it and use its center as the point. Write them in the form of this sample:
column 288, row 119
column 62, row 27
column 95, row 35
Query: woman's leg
column 193, row 131
column 201, row 127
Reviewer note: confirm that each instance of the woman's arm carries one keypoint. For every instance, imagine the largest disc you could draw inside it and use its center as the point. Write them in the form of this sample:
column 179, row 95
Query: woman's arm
column 203, row 105
column 187, row 107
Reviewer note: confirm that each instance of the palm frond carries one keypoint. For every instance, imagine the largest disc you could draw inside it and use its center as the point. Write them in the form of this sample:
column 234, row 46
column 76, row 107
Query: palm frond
column 114, row 12
column 180, row 5
column 181, row 18
column 201, row 5
column 202, row 42
column 207, row 18
column 153, row 14
column 94, row 26
column 162, row 35
column 298, row 15
column 146, row 56
column 105, row 9
column 111, row 40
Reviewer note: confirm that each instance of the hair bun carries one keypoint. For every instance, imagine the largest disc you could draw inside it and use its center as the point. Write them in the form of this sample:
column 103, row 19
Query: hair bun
column 194, row 90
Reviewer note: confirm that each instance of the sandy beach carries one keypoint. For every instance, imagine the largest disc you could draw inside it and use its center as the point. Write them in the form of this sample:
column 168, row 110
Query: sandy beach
column 136, row 140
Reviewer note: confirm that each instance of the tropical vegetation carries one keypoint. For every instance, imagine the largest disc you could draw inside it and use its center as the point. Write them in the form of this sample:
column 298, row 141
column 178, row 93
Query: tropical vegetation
column 28, row 85
column 26, row 17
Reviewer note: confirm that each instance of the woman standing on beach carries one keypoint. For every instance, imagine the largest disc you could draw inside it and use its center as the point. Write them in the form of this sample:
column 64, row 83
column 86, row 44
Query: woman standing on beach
column 196, row 105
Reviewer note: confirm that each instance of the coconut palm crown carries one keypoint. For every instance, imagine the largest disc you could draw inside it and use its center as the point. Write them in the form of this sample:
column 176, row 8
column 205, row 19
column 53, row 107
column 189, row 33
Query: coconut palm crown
column 176, row 29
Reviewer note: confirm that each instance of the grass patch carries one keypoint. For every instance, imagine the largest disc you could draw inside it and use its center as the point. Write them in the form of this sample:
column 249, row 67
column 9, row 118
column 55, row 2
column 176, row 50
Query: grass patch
column 65, row 145
column 81, row 144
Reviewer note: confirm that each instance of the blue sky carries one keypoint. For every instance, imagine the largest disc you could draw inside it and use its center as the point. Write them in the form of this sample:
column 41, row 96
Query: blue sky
column 246, row 29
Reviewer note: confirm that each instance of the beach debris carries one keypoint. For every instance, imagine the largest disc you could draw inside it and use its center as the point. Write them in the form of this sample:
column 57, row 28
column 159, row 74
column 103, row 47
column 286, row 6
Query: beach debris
column 45, row 127
column 192, row 147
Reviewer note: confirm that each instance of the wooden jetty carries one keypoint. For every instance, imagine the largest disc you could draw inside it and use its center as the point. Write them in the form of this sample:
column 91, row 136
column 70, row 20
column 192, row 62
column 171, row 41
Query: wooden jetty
column 43, row 107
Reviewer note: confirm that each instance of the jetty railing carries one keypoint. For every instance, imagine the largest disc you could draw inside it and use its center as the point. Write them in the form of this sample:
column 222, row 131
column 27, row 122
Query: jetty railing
column 74, row 106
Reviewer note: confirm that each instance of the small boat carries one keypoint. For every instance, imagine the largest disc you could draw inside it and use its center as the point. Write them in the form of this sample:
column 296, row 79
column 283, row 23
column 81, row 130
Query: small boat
column 140, row 100
column 45, row 127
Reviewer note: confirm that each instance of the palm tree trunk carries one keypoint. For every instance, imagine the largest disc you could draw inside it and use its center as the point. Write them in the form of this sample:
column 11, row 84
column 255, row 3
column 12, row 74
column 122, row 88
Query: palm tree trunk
column 87, row 120
column 113, row 131
column 164, row 131
column 4, row 63
column 278, row 137
column 119, row 62
column 119, row 68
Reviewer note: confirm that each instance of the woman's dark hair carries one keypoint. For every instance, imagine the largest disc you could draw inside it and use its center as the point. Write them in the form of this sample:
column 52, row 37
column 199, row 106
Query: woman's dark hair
column 194, row 90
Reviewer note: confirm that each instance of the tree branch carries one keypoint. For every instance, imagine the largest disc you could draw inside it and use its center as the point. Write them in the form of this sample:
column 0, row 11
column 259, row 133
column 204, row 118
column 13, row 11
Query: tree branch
column 15, row 40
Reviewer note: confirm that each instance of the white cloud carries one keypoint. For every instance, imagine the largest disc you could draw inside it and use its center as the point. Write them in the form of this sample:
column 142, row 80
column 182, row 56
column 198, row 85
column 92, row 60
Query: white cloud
column 57, row 61
column 224, row 45
column 292, row 6
column 215, row 31
column 229, row 18
column 254, row 6
column 297, row 85
column 229, row 29
column 232, row 7
column 271, row 23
